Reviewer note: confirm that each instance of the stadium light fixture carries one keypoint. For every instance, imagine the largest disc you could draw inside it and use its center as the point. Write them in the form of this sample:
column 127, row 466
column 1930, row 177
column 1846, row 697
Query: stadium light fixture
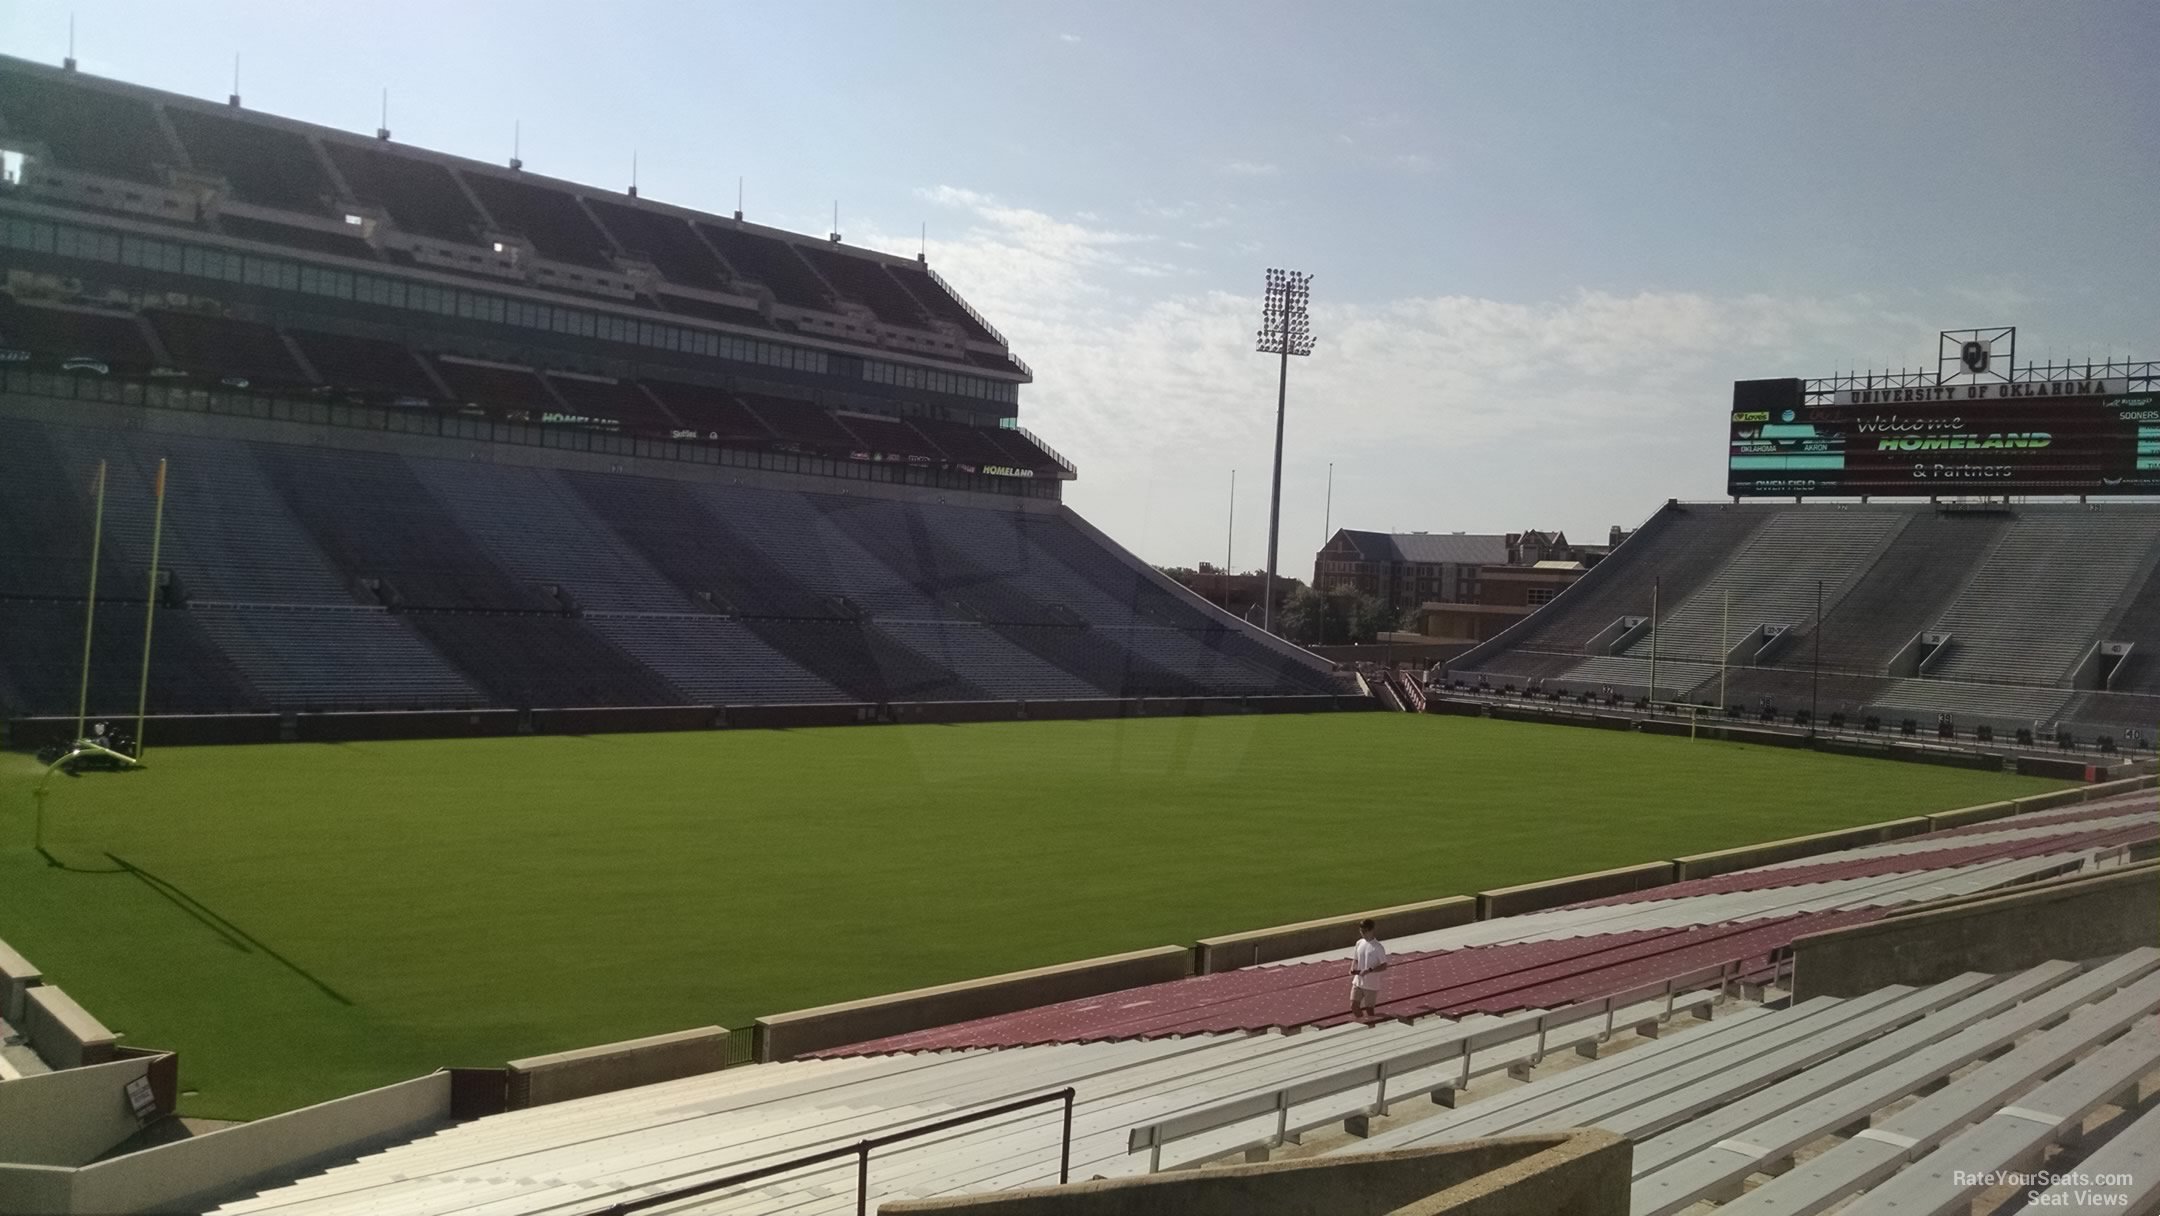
column 1285, row 330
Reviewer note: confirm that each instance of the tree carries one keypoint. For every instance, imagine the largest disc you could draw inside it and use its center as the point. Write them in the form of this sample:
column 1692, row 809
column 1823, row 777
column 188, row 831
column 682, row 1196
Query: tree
column 1341, row 615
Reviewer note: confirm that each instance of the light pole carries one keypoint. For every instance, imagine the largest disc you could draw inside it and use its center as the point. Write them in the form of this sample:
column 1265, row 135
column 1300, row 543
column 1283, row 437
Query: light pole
column 1285, row 330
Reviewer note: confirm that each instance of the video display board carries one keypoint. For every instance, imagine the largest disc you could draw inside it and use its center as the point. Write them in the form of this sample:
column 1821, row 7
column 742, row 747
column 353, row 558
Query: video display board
column 2054, row 438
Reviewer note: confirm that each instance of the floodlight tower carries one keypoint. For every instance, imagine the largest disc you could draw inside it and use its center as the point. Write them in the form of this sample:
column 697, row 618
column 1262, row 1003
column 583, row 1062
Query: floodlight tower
column 1285, row 330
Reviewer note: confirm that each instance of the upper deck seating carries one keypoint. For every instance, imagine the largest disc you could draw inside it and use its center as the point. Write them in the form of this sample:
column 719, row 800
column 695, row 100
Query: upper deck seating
column 89, row 130
column 939, row 302
column 266, row 165
column 768, row 261
column 547, row 216
column 865, row 282
column 667, row 241
column 421, row 196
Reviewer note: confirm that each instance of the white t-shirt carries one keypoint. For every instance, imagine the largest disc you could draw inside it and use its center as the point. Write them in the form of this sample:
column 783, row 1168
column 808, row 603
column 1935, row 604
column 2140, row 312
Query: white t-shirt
column 1368, row 956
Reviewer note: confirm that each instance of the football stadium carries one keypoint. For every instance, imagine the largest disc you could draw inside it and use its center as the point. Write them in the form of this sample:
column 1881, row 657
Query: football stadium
column 522, row 698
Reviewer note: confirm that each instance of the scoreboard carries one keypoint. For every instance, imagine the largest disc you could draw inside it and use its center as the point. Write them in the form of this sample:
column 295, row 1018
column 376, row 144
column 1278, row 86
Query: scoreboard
column 2066, row 437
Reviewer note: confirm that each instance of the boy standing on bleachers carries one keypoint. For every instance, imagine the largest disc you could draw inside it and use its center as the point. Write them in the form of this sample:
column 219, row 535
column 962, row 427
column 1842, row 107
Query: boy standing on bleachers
column 1367, row 961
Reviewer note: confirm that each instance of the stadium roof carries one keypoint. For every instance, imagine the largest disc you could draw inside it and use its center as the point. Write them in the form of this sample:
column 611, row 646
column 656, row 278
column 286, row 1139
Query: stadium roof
column 1425, row 548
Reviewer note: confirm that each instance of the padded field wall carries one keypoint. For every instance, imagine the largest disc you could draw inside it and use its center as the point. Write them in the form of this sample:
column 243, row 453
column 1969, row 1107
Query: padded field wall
column 195, row 730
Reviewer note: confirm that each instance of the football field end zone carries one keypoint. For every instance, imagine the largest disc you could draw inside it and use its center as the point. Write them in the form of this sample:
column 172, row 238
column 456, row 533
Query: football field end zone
column 2073, row 919
column 1230, row 951
column 1570, row 1173
column 783, row 1036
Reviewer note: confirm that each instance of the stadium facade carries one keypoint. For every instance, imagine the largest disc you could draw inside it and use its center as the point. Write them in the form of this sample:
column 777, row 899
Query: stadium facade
column 446, row 435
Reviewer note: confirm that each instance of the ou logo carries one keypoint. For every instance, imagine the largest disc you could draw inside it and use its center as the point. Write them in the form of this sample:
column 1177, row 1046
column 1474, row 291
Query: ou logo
column 1974, row 356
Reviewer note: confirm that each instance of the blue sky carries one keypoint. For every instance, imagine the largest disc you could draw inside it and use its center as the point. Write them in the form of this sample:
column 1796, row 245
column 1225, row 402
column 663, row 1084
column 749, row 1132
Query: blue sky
column 1545, row 237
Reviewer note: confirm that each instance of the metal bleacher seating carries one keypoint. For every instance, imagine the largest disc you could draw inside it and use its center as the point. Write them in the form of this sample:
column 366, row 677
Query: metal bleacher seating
column 309, row 577
column 2024, row 594
column 983, row 657
column 2035, row 605
column 714, row 660
column 545, row 535
column 333, row 658
column 1715, row 1088
column 1772, row 579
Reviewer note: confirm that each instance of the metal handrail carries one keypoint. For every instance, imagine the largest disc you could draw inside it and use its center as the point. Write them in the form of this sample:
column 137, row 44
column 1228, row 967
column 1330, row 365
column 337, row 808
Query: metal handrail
column 1154, row 1136
column 966, row 307
column 860, row 1150
column 2140, row 372
column 1049, row 451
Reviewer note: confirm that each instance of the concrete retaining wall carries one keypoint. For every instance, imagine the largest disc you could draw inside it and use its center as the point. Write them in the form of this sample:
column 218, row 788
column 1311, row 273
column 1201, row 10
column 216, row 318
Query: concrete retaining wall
column 783, row 1036
column 2049, row 801
column 1725, row 861
column 2076, row 919
column 1233, row 950
column 187, row 1175
column 2123, row 785
column 539, row 1080
column 62, row 1032
column 68, row 1117
column 17, row 977
column 1553, row 892
column 1986, row 812
column 1580, row 1173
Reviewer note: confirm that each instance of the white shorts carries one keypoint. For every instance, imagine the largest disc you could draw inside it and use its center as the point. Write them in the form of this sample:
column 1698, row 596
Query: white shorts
column 1363, row 994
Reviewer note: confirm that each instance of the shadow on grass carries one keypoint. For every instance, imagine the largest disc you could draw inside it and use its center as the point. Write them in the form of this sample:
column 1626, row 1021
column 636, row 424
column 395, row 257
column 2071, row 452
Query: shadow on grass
column 230, row 933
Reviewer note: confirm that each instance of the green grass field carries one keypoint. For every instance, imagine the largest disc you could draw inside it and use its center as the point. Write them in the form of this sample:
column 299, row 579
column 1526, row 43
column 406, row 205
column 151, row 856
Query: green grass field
column 304, row 921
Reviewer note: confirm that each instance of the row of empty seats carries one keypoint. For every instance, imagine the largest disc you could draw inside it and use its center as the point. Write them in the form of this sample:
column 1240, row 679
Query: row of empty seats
column 328, row 578
column 2023, row 596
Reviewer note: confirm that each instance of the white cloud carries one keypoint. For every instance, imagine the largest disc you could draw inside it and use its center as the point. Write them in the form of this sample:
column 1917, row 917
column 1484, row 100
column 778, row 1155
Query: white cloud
column 1440, row 412
column 1068, row 38
column 1251, row 168
column 1412, row 162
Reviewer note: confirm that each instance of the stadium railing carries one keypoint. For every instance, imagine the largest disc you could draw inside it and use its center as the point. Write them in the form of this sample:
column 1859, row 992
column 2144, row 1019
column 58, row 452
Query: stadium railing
column 861, row 1150
column 1537, row 1031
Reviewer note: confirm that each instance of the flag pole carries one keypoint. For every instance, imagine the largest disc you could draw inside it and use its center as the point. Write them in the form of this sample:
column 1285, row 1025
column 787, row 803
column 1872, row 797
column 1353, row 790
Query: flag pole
column 97, row 537
column 157, row 537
